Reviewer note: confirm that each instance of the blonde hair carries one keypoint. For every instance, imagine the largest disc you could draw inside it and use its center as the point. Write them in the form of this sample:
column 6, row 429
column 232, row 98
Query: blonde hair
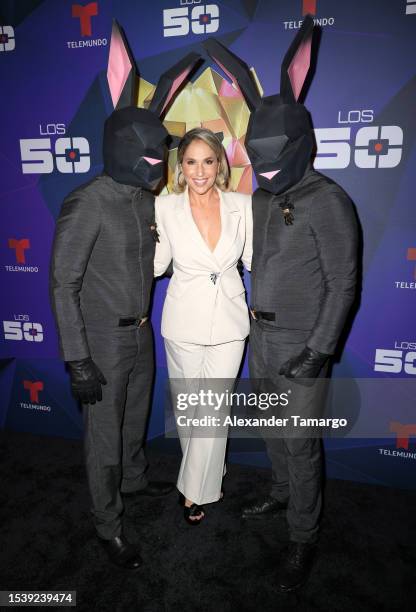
column 207, row 136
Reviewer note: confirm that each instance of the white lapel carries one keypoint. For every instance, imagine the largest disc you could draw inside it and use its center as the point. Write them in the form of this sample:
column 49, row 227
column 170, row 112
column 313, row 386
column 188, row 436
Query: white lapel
column 190, row 228
column 230, row 221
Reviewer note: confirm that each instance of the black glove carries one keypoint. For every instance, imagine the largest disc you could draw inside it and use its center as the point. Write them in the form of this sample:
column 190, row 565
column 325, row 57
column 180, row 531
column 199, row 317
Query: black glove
column 305, row 366
column 86, row 381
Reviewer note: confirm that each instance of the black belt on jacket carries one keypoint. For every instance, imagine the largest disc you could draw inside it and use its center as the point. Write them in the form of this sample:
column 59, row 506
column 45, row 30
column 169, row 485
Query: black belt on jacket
column 260, row 314
column 133, row 321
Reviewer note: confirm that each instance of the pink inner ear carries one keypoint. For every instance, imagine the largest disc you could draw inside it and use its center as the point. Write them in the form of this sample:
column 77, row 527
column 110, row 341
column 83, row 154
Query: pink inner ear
column 152, row 160
column 119, row 66
column 299, row 67
column 176, row 83
column 230, row 76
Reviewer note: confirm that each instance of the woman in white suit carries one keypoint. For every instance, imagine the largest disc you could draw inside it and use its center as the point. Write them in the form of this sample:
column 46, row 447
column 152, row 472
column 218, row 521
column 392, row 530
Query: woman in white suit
column 205, row 230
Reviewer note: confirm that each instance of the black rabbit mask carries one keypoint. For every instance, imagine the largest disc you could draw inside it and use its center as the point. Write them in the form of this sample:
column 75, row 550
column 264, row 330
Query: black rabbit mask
column 279, row 139
column 135, row 140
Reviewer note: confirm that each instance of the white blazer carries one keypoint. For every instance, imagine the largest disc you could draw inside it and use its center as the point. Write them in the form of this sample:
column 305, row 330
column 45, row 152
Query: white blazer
column 205, row 301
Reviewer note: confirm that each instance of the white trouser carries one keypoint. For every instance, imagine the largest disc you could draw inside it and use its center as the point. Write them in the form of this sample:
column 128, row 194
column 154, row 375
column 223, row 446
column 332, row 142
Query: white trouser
column 202, row 466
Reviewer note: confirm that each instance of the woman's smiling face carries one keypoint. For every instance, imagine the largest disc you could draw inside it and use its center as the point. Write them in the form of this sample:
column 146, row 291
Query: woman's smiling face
column 199, row 167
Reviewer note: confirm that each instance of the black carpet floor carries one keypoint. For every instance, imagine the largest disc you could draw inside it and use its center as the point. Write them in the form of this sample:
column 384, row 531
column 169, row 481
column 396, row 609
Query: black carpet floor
column 366, row 558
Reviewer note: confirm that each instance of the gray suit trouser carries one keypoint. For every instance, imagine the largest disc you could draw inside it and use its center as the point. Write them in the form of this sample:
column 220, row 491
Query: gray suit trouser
column 116, row 426
column 296, row 459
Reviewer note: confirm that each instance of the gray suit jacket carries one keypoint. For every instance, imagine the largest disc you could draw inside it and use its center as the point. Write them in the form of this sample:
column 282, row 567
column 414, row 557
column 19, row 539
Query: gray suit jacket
column 306, row 272
column 102, row 261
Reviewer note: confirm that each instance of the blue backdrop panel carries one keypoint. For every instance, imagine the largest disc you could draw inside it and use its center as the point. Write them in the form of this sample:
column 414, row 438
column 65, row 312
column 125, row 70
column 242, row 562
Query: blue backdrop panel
column 53, row 60
column 40, row 403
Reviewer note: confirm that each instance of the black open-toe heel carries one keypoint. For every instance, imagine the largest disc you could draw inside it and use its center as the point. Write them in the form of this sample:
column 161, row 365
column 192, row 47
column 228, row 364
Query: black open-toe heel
column 194, row 510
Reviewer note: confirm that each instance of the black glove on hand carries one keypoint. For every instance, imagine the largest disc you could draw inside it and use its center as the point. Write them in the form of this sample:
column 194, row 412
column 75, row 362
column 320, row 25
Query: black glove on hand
column 86, row 381
column 305, row 366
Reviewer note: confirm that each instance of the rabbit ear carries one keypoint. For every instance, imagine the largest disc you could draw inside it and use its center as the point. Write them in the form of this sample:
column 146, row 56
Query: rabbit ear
column 170, row 81
column 296, row 63
column 121, row 71
column 236, row 70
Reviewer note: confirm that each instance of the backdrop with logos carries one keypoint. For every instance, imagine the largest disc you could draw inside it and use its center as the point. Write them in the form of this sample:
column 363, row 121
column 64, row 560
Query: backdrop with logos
column 55, row 98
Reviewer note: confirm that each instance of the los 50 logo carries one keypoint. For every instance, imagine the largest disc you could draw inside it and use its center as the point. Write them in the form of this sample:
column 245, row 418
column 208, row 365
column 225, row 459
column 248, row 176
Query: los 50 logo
column 411, row 7
column 69, row 154
column 374, row 147
column 7, row 41
column 22, row 329
column 395, row 361
column 201, row 19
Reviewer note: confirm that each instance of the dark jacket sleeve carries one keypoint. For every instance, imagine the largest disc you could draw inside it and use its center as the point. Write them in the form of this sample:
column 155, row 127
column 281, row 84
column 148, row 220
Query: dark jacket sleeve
column 334, row 226
column 77, row 229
